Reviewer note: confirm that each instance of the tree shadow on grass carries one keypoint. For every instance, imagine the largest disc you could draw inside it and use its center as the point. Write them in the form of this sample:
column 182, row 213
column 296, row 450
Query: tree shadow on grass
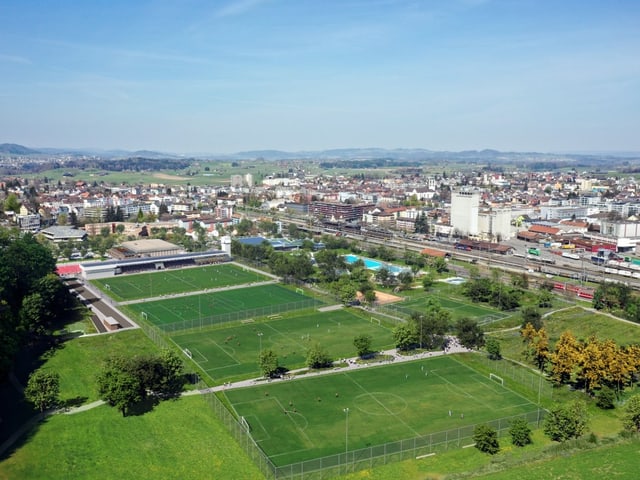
column 73, row 402
column 145, row 406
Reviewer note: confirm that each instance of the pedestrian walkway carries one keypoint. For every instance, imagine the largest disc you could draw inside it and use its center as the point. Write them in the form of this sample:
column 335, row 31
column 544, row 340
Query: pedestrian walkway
column 347, row 364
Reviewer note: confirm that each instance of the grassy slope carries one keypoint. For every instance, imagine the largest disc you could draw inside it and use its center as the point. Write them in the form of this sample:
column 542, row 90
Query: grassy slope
column 581, row 322
column 79, row 360
column 178, row 439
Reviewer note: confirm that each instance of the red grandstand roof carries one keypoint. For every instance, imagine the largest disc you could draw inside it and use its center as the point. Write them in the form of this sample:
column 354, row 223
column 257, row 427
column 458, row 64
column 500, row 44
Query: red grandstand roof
column 68, row 269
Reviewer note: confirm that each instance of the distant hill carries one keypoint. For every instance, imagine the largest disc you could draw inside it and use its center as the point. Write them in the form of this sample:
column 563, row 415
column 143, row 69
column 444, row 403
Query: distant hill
column 15, row 149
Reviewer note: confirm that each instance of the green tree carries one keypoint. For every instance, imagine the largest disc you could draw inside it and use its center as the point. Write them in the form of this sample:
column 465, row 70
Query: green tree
column 317, row 357
column 330, row 264
column 486, row 439
column 440, row 265
column 12, row 203
column 520, row 432
column 567, row 420
column 118, row 387
column 427, row 282
column 492, row 346
column 469, row 333
column 363, row 344
column 345, row 289
column 545, row 299
column 421, row 224
column 605, row 398
column 268, row 363
column 631, row 419
column 404, row 336
column 43, row 389
column 383, row 276
column 532, row 315
column 171, row 379
column 432, row 325
column 370, row 296
column 406, row 279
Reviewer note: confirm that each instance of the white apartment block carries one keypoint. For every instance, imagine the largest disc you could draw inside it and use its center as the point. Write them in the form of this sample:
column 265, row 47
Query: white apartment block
column 465, row 206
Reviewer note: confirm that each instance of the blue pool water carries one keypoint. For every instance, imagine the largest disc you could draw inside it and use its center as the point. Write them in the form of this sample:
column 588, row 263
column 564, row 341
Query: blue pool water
column 372, row 264
column 454, row 280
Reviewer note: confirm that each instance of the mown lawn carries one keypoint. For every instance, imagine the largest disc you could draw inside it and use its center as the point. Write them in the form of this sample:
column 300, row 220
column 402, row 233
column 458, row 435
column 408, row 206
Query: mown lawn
column 582, row 323
column 79, row 361
column 177, row 439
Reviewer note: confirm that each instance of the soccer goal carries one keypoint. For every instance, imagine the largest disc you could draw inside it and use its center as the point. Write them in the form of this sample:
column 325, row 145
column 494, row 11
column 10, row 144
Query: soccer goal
column 496, row 378
column 245, row 424
column 107, row 287
column 375, row 320
column 300, row 291
column 144, row 315
column 188, row 353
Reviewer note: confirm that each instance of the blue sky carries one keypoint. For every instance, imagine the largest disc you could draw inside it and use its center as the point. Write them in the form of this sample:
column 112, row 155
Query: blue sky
column 225, row 76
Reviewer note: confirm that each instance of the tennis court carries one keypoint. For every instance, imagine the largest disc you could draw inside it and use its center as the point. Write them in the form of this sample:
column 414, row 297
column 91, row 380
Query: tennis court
column 167, row 282
column 305, row 419
column 230, row 353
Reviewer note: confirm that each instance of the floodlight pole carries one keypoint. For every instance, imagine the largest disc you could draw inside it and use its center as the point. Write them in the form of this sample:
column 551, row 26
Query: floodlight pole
column 346, row 434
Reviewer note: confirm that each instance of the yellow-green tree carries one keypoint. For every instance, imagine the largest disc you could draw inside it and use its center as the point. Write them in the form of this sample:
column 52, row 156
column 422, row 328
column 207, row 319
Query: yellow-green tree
column 592, row 363
column 536, row 345
column 565, row 357
column 541, row 348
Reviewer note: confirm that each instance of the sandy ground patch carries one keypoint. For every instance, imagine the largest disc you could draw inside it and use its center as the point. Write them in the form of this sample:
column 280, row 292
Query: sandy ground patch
column 382, row 298
column 164, row 176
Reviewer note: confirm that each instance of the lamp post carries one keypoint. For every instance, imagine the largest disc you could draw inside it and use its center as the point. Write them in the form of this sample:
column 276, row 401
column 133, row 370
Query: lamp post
column 260, row 337
column 346, row 434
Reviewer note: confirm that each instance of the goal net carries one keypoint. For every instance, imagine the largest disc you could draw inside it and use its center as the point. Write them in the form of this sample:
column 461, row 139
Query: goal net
column 144, row 315
column 496, row 378
column 300, row 291
column 187, row 352
column 245, row 424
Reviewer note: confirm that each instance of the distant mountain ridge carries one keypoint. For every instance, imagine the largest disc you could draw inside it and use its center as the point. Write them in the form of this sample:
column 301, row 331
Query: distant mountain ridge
column 15, row 149
column 405, row 154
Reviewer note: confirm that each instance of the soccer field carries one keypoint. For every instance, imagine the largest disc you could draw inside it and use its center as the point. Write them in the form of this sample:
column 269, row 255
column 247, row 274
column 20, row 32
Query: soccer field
column 304, row 419
column 193, row 311
column 226, row 354
column 457, row 308
column 166, row 282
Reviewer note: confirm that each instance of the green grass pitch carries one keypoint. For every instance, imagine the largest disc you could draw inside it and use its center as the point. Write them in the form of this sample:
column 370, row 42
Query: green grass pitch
column 165, row 282
column 191, row 308
column 457, row 308
column 303, row 419
column 227, row 354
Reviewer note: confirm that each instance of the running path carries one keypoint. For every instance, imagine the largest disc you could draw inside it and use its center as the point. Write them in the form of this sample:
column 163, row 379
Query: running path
column 351, row 364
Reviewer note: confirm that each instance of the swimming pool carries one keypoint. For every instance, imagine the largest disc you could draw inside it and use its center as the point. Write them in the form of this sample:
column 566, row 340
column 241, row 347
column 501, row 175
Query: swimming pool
column 454, row 280
column 372, row 264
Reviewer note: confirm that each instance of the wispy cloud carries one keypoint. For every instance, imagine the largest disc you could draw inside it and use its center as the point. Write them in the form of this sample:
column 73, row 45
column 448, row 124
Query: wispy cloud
column 238, row 7
column 14, row 59
column 131, row 53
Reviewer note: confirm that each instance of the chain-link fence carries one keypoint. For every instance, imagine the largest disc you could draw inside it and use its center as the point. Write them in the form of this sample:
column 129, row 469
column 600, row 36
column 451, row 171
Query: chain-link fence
column 522, row 375
column 417, row 447
column 355, row 460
